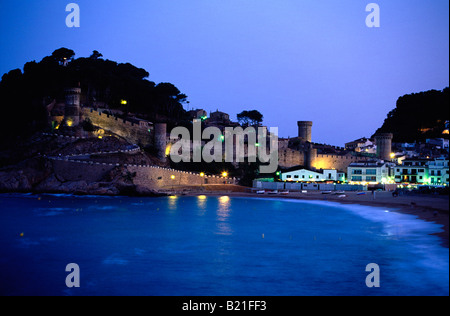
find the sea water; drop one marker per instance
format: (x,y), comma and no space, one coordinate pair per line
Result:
(214,246)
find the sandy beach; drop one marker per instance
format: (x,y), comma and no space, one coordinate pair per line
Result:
(433,208)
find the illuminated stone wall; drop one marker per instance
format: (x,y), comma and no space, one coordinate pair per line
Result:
(150,177)
(159,178)
(135,133)
(337,162)
(291,158)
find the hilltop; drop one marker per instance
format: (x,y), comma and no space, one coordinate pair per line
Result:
(105,83)
(419,116)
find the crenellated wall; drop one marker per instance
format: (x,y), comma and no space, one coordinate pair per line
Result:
(133,132)
(157,177)
(337,162)
(150,177)
(289,158)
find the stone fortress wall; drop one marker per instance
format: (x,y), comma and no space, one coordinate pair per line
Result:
(338,162)
(150,177)
(308,155)
(153,135)
(78,167)
(144,133)
(137,133)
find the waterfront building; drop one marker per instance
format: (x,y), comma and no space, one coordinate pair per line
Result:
(373,172)
(305,175)
(423,171)
(438,171)
(412,170)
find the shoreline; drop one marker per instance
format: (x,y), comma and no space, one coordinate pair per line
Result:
(433,209)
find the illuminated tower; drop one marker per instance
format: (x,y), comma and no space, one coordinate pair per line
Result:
(384,145)
(161,140)
(72,109)
(310,156)
(304,130)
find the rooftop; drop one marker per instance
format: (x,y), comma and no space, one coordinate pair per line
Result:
(371,164)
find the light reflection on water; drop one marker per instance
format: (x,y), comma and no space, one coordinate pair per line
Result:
(201,204)
(173,202)
(223,215)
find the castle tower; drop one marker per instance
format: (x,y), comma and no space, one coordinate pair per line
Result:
(161,140)
(310,156)
(72,109)
(304,130)
(384,145)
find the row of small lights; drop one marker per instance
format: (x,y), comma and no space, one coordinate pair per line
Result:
(202,174)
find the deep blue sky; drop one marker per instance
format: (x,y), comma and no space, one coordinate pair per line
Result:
(290,59)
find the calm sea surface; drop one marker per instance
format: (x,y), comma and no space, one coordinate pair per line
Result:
(213,246)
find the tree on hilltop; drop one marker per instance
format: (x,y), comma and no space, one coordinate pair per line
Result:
(253,118)
(418,116)
(62,55)
(24,94)
(96,55)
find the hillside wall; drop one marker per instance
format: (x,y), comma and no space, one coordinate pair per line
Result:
(150,177)
(138,134)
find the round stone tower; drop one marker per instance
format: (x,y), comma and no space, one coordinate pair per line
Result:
(310,156)
(304,130)
(72,109)
(384,145)
(161,140)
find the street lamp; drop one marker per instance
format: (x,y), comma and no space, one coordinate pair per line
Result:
(173,183)
(202,175)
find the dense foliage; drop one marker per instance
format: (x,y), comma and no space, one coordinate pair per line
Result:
(250,118)
(24,94)
(418,116)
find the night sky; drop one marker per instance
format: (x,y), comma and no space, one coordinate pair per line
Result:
(290,59)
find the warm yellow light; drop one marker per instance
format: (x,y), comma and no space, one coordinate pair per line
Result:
(168,148)
(124,102)
(69,123)
(172,177)
(202,174)
(100,137)
(392,155)
(224,199)
(224,174)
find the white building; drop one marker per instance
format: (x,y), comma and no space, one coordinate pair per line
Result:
(369,172)
(412,170)
(362,145)
(438,171)
(423,171)
(305,175)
